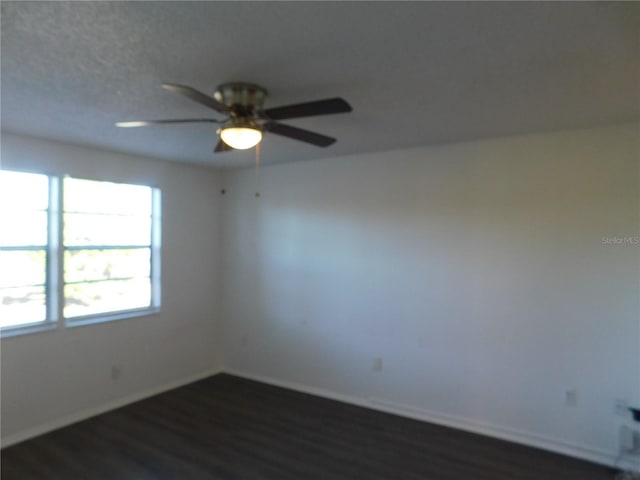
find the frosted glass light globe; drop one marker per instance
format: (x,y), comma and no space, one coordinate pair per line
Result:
(241,138)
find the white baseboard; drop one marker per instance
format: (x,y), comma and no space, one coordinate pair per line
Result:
(100,409)
(582,452)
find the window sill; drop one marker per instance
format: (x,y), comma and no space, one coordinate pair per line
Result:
(110,317)
(18,330)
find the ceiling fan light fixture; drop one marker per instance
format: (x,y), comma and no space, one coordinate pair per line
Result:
(241,134)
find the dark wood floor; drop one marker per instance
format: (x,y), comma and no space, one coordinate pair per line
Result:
(226,427)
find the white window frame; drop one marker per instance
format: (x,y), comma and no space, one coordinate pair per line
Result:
(54,280)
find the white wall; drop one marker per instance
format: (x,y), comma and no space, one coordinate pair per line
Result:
(477,271)
(54,377)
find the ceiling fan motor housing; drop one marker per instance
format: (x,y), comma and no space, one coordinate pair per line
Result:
(244,99)
(240,122)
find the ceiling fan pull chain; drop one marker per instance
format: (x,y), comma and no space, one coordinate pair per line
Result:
(257,170)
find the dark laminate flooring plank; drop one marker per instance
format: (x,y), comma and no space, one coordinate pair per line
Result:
(229,428)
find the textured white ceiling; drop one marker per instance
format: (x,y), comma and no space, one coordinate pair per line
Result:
(415,73)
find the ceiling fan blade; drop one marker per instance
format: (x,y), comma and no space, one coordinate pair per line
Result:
(196,96)
(145,123)
(299,134)
(309,109)
(222,147)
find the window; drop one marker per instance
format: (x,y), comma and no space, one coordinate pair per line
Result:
(107,247)
(100,241)
(24,207)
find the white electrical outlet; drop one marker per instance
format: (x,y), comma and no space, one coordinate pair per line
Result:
(377,364)
(116,372)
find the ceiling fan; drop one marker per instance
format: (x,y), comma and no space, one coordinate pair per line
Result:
(246,119)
